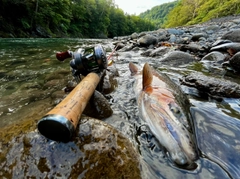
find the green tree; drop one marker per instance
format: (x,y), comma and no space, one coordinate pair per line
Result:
(158,14)
(189,12)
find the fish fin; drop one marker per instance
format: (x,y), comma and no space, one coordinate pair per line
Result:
(147,76)
(133,68)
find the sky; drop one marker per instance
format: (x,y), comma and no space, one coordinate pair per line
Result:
(137,6)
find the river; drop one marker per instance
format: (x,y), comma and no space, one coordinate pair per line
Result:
(30,75)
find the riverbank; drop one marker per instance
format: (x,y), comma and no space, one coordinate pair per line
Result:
(32,83)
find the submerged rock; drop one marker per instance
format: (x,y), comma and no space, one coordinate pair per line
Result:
(97,151)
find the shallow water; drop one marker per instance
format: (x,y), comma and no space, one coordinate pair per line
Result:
(30,75)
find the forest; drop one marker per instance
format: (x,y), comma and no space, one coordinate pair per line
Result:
(67,18)
(102,18)
(188,12)
(158,14)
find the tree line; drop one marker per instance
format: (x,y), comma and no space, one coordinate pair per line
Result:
(188,12)
(158,14)
(68,18)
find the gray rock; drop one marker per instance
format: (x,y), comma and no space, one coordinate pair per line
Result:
(233,35)
(175,31)
(172,38)
(197,36)
(212,86)
(210,29)
(220,42)
(147,40)
(146,53)
(192,47)
(119,45)
(142,34)
(98,106)
(134,36)
(235,62)
(214,57)
(233,47)
(177,58)
(97,151)
(161,51)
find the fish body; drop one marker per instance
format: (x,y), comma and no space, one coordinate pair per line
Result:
(159,108)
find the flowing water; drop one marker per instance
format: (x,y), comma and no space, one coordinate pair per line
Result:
(31,78)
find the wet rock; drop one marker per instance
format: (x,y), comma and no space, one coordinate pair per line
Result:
(233,35)
(134,35)
(146,53)
(147,40)
(208,85)
(110,82)
(216,57)
(235,62)
(234,47)
(172,38)
(177,58)
(220,42)
(192,47)
(142,34)
(162,35)
(136,49)
(212,62)
(98,106)
(126,48)
(212,28)
(161,51)
(197,36)
(97,151)
(119,46)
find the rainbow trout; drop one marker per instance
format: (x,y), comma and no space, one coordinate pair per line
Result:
(159,106)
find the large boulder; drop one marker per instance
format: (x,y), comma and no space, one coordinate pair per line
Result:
(147,40)
(97,151)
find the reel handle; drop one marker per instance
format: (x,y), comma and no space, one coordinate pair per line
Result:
(61,56)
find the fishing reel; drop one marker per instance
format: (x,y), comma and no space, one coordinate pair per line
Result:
(92,59)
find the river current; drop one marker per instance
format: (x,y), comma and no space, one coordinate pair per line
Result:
(27,66)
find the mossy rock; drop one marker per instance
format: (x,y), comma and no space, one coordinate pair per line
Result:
(97,151)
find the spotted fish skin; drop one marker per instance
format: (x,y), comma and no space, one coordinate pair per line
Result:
(159,108)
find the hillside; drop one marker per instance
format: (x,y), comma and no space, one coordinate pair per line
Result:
(158,14)
(188,12)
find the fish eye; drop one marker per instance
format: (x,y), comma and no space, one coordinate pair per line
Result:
(175,110)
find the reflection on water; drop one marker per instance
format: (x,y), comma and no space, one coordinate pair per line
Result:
(31,82)
(218,134)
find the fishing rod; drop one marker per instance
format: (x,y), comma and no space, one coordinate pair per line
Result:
(60,123)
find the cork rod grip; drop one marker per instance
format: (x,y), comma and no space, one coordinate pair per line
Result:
(73,105)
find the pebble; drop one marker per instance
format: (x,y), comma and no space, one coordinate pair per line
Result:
(215,44)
